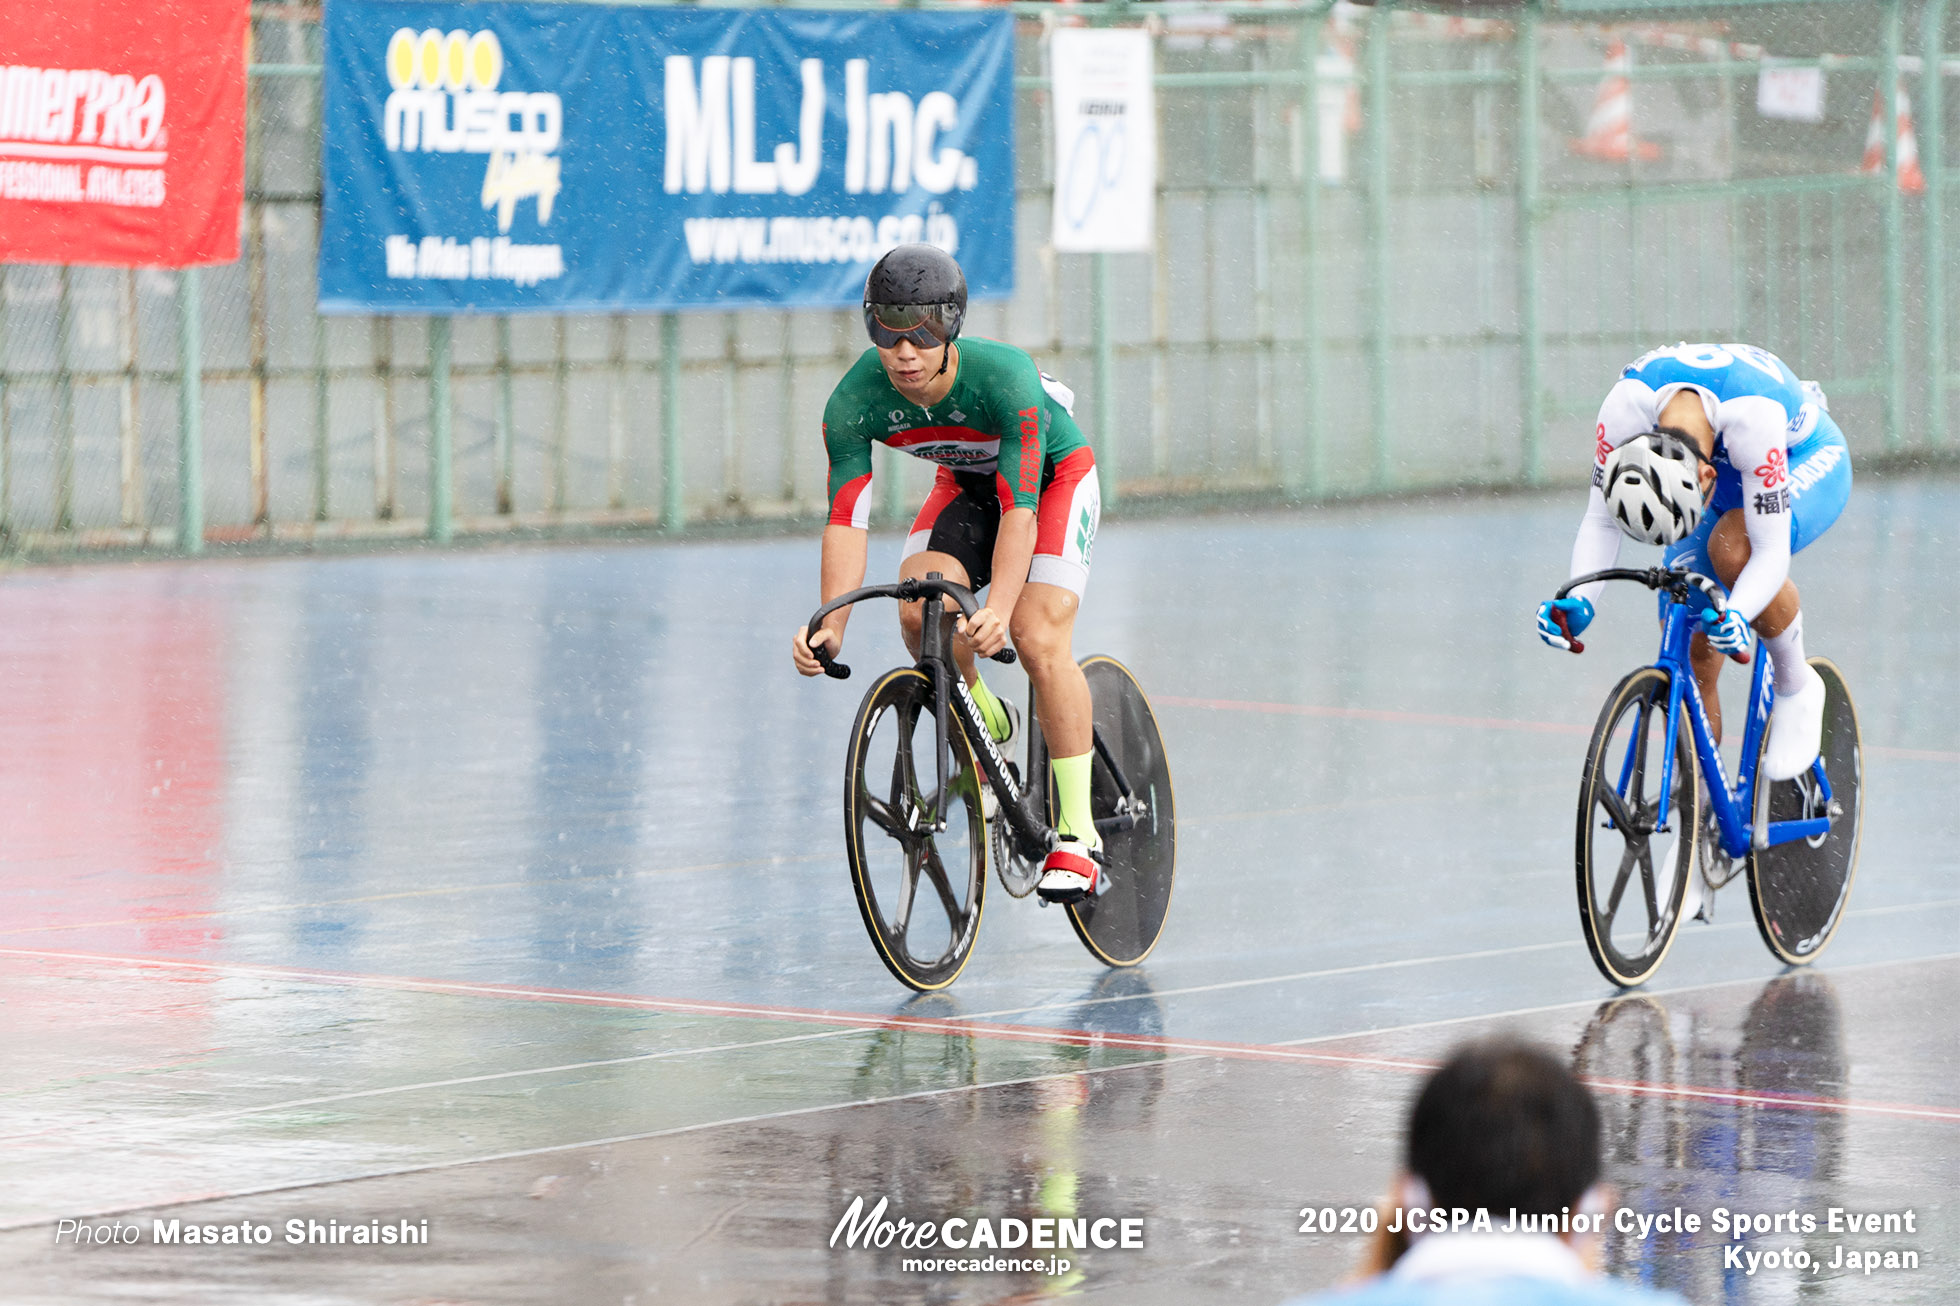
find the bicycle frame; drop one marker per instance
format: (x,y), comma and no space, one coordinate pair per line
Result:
(1032,837)
(1740,810)
(949,693)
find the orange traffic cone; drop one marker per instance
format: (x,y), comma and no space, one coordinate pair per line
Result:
(1911,179)
(1351,109)
(1339,102)
(1609,132)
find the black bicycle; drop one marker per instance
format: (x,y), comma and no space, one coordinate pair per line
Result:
(917,776)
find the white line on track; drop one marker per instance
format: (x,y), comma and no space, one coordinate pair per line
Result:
(1406,962)
(950,1026)
(1658,1090)
(1396,717)
(1630,996)
(149,1128)
(433,891)
(553,1148)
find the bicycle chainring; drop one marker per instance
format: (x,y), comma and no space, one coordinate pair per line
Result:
(1017,875)
(1717,867)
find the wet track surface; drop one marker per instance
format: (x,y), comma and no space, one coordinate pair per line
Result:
(505,890)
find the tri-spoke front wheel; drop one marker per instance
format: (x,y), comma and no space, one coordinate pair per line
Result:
(1636,845)
(919,886)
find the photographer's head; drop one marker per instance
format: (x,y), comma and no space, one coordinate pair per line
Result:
(1503,1126)
(1499,1201)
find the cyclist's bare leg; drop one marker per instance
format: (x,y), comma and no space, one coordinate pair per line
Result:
(1728,549)
(911,616)
(1043,628)
(1708,666)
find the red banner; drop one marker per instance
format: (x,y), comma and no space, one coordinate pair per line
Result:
(122,131)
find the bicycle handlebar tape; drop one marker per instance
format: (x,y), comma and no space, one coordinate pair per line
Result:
(1006,656)
(1565,629)
(831,666)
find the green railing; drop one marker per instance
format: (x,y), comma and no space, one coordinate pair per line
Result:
(1437,296)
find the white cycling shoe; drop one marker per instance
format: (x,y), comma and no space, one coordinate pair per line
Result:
(1796,729)
(1070,874)
(1696,900)
(1013,726)
(1697,903)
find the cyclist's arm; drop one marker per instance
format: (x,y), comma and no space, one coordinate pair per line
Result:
(845,535)
(1622,416)
(1597,546)
(1752,429)
(1013,555)
(845,549)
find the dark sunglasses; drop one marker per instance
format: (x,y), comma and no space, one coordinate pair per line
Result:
(928,326)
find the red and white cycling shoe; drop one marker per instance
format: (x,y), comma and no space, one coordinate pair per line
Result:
(1071,872)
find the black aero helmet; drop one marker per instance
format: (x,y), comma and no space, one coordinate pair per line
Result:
(916,293)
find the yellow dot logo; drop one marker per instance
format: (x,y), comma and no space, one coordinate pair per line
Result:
(428,59)
(401,59)
(453,61)
(486,61)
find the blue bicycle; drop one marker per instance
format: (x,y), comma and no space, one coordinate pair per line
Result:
(1641,823)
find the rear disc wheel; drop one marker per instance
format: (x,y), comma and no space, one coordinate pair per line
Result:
(1122,923)
(1798,890)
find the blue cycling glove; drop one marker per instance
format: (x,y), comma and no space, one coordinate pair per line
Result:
(1727,631)
(1578,615)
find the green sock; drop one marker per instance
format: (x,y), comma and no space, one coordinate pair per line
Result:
(992,712)
(1072,795)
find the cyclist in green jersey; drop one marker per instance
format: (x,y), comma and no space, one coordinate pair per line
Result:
(1015,504)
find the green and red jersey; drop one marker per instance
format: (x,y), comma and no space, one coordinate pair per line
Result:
(1002,418)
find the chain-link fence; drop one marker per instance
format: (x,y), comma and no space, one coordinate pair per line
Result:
(1395,250)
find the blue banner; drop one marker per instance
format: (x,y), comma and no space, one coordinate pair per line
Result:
(502,158)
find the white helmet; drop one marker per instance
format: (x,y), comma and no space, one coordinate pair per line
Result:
(1653,487)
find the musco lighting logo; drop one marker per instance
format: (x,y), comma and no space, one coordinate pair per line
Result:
(446,101)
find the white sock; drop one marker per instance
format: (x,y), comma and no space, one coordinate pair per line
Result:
(1786,651)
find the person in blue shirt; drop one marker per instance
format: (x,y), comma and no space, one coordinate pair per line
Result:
(1503,1129)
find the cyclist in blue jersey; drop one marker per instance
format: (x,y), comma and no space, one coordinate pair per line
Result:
(1719,452)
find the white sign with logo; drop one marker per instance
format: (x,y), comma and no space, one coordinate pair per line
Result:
(1105,139)
(1794,92)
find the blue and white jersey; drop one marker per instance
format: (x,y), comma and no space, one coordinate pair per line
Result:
(1765,421)
(1725,371)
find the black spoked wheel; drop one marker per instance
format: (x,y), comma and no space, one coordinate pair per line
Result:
(1636,844)
(1122,923)
(920,891)
(1798,889)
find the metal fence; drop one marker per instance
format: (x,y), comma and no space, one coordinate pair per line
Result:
(1395,251)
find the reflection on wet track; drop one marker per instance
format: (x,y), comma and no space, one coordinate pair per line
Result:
(505,889)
